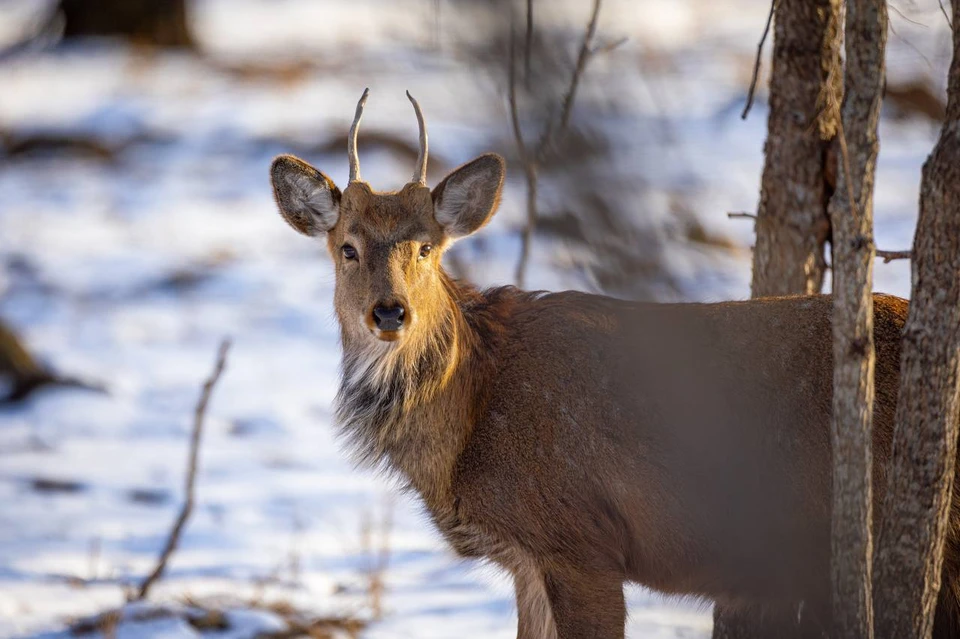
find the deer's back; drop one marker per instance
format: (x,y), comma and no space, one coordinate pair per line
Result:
(686,445)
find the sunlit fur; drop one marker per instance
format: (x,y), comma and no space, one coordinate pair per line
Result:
(382,381)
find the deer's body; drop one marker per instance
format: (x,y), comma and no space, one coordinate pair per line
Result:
(684,447)
(580,441)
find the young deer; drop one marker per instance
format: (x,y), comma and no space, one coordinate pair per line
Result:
(580,441)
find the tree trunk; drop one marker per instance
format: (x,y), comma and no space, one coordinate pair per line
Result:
(161,23)
(792,222)
(851,214)
(910,549)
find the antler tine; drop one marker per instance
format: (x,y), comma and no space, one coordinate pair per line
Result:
(420,175)
(352,154)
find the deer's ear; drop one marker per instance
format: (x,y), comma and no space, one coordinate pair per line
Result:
(467,198)
(308,200)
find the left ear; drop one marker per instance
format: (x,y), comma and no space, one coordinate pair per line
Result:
(308,200)
(467,198)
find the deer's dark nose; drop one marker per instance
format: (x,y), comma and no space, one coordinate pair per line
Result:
(388,318)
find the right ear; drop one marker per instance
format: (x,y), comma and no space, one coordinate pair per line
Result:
(467,198)
(308,200)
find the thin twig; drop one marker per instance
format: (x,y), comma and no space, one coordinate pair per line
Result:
(610,46)
(912,46)
(512,99)
(548,135)
(889,256)
(198,416)
(904,16)
(943,9)
(528,161)
(554,128)
(741,214)
(528,45)
(377,558)
(756,63)
(526,240)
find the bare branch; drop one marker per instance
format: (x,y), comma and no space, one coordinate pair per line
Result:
(379,557)
(546,139)
(530,169)
(756,63)
(889,256)
(528,45)
(529,162)
(610,46)
(512,99)
(173,539)
(946,15)
(531,157)
(920,54)
(741,215)
(904,16)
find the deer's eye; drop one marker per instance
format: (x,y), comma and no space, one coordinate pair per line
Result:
(349,252)
(425,250)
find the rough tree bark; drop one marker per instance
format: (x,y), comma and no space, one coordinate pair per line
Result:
(910,546)
(851,215)
(161,23)
(792,222)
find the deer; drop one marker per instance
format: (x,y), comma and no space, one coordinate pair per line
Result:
(580,442)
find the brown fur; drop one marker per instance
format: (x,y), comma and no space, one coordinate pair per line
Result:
(580,441)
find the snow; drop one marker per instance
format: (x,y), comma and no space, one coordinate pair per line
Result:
(132,270)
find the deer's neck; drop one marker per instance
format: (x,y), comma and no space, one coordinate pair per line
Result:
(411,408)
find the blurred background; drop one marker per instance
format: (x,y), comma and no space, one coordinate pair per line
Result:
(137,228)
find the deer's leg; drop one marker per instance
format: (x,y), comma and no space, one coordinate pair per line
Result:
(586,605)
(535,618)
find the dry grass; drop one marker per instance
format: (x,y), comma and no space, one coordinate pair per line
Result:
(210,615)
(375,546)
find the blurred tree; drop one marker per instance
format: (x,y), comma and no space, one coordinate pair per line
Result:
(910,544)
(851,215)
(792,224)
(532,155)
(160,23)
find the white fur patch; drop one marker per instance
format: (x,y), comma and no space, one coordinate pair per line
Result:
(313,197)
(369,399)
(372,363)
(458,203)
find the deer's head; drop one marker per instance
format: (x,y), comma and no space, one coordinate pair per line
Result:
(387,246)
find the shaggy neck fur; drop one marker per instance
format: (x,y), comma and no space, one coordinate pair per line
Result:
(410,407)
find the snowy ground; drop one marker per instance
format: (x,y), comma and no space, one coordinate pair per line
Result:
(129,271)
